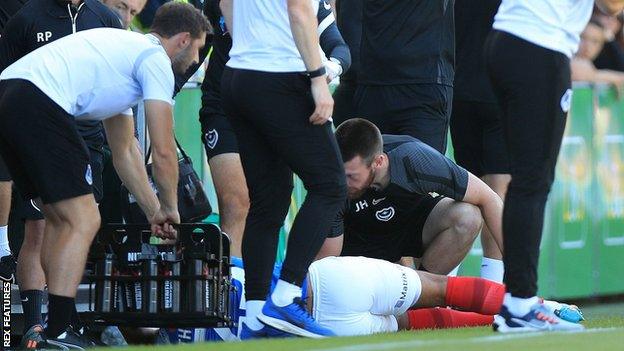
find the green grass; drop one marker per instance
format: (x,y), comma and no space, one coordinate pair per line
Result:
(605,325)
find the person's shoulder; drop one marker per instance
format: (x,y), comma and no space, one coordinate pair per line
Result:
(392,142)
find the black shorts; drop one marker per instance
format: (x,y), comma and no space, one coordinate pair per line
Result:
(419,110)
(344,104)
(5,176)
(217,135)
(41,145)
(478,139)
(391,246)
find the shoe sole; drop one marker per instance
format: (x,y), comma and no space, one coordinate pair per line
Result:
(500,326)
(288,327)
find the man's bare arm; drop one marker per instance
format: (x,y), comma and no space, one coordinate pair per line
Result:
(491,205)
(226,11)
(159,117)
(129,163)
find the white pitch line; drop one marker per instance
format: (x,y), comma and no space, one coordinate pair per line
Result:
(475,340)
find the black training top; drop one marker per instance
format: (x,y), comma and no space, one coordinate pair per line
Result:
(43,21)
(330,40)
(349,20)
(7,9)
(416,171)
(473,23)
(407,42)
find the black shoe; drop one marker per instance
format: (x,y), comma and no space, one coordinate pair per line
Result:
(71,340)
(7,268)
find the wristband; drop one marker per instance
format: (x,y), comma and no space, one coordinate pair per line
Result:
(317,73)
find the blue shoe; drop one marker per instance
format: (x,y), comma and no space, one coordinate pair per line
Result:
(570,313)
(292,319)
(266,332)
(539,318)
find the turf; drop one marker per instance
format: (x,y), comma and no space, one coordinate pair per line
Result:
(605,331)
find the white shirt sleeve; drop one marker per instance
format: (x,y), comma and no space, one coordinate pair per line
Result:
(156,78)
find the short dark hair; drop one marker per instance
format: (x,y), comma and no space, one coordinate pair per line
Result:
(359,137)
(178,17)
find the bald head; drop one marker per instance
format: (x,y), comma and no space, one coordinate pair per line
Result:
(126,9)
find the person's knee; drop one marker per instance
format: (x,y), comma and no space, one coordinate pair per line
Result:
(234,204)
(271,204)
(334,191)
(467,222)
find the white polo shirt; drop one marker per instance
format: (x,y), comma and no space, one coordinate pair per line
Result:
(552,24)
(262,39)
(98,73)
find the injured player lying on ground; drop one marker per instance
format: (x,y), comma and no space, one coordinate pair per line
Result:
(361,296)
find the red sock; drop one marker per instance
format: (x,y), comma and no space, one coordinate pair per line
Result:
(439,318)
(474,294)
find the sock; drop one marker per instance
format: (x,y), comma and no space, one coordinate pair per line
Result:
(74,320)
(492,269)
(474,295)
(284,293)
(58,318)
(252,310)
(519,306)
(440,318)
(31,304)
(5,250)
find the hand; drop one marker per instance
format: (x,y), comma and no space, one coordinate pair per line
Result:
(162,223)
(323,101)
(333,68)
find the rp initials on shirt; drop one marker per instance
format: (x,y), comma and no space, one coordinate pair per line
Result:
(43,36)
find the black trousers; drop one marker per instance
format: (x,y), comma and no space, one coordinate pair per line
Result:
(533,87)
(419,110)
(270,115)
(344,104)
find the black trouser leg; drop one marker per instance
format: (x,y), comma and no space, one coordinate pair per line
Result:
(532,85)
(270,112)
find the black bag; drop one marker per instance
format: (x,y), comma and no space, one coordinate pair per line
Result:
(193,204)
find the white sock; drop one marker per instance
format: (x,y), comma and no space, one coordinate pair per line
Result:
(492,269)
(252,310)
(519,306)
(5,250)
(284,293)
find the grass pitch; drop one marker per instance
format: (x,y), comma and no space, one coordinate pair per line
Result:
(605,331)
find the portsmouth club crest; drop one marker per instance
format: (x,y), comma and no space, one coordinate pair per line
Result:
(211,138)
(385,214)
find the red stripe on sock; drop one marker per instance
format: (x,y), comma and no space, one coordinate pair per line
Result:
(440,318)
(474,294)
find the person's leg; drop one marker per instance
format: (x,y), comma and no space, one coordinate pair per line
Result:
(535,97)
(226,170)
(278,110)
(71,225)
(492,262)
(448,235)
(229,182)
(30,272)
(5,207)
(422,111)
(533,120)
(7,261)
(495,160)
(270,183)
(344,104)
